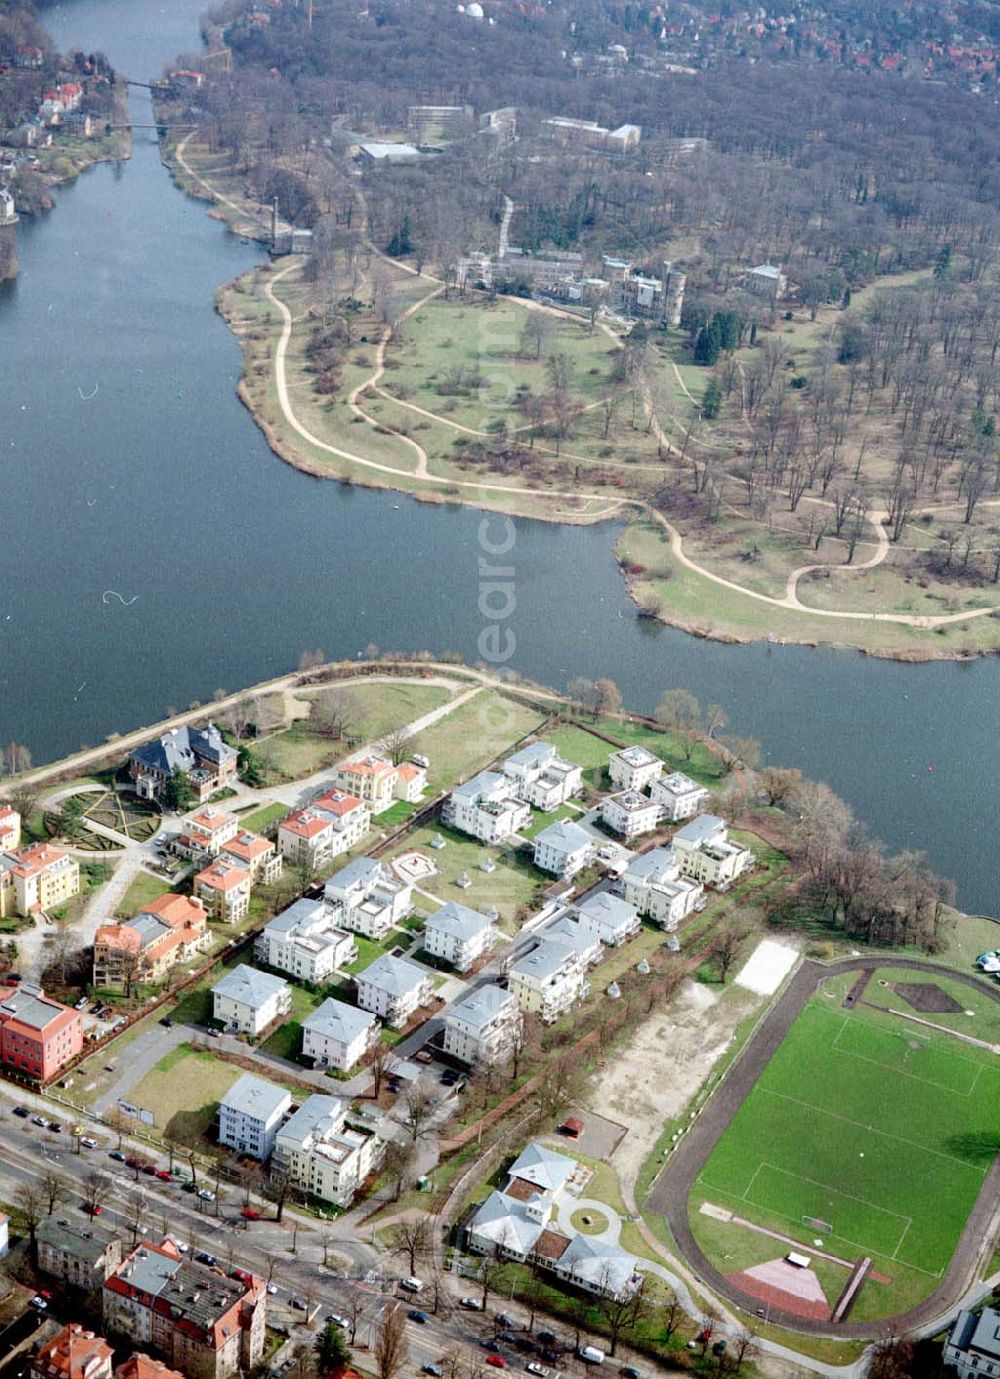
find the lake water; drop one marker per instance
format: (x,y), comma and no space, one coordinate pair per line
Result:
(154,549)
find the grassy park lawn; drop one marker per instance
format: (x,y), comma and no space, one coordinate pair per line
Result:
(286,1041)
(894,1177)
(369,949)
(541,821)
(184,1090)
(509,887)
(258,819)
(142,891)
(467,740)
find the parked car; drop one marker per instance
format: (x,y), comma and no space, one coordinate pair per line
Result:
(87,1143)
(548,1338)
(629,1372)
(203,1257)
(450,1076)
(250,1214)
(21,1111)
(12,979)
(81,1004)
(189,1186)
(343,1322)
(118,1156)
(95,1210)
(166,1022)
(132,1162)
(56,1127)
(411,1285)
(533,1367)
(297,1303)
(551,1356)
(471,1304)
(591,1355)
(497,1361)
(434,1370)
(39,1120)
(162,1174)
(415,1315)
(419,759)
(148,1168)
(505,1319)
(206,1195)
(39,1303)
(242,1276)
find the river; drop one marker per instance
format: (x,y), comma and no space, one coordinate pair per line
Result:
(154,549)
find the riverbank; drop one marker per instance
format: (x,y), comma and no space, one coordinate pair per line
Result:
(367,434)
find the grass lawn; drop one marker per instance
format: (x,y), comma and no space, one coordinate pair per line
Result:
(184,1090)
(541,821)
(509,886)
(259,819)
(467,740)
(143,891)
(286,1041)
(370,949)
(818,1140)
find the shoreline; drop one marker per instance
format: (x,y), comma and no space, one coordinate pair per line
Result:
(629,509)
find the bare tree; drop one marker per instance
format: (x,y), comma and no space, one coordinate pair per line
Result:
(391,1349)
(419,1107)
(55,1189)
(30,1199)
(397,1166)
(622,1311)
(380,1064)
(336,713)
(95,1191)
(727,946)
(136,1211)
(413,1239)
(744,1347)
(397,745)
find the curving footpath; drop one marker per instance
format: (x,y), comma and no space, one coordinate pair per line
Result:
(672,1190)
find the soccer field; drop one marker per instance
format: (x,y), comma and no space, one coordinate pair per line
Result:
(867,1132)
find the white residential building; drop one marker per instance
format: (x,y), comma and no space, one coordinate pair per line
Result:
(704,853)
(633,768)
(321,1155)
(678,796)
(523,1222)
(249,1116)
(973,1344)
(652,882)
(630,813)
(541,777)
(10,828)
(305,942)
(482,1027)
(486,808)
(370,898)
(393,989)
(247,1001)
(205,832)
(371,778)
(549,978)
(612,919)
(337,1035)
(459,935)
(586,942)
(564,848)
(334,823)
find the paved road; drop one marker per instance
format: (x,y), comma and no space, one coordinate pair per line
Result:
(672,1190)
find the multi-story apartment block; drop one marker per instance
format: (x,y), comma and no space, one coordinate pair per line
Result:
(205,833)
(541,777)
(224,888)
(393,989)
(336,1035)
(203,1323)
(247,1001)
(199,754)
(371,778)
(38,877)
(370,898)
(629,813)
(549,979)
(73,1353)
(564,848)
(170,930)
(459,935)
(38,1036)
(704,852)
(612,919)
(482,1028)
(304,941)
(145,1367)
(10,828)
(973,1344)
(633,768)
(321,1155)
(257,855)
(653,883)
(250,1114)
(486,807)
(80,1253)
(678,796)
(332,824)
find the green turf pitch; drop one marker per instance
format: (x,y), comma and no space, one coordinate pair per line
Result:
(867,1123)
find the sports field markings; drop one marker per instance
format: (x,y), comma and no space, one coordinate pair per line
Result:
(901,1071)
(872,1130)
(850,1197)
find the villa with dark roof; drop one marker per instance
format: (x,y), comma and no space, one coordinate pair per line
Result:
(200,754)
